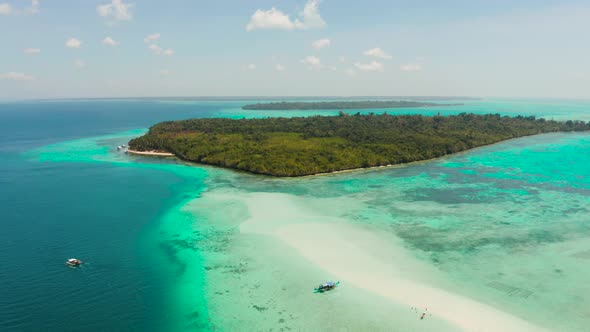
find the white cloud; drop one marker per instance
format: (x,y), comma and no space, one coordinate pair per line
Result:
(155,48)
(79,64)
(270,19)
(110,41)
(373,66)
(32,50)
(343,59)
(151,38)
(73,43)
(164,72)
(311,17)
(117,9)
(312,61)
(411,67)
(13,76)
(280,67)
(321,43)
(250,66)
(5,9)
(378,53)
(276,19)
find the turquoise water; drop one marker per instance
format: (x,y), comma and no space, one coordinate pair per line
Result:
(505,225)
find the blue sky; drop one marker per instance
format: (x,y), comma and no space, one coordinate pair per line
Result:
(100,48)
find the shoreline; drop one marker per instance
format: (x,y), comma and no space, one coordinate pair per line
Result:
(351,170)
(411,163)
(151,153)
(417,162)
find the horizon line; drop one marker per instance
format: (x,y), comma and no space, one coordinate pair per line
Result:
(277,97)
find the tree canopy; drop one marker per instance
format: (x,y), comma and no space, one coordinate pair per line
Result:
(319,144)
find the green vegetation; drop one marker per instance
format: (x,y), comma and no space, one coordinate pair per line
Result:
(318,144)
(340,105)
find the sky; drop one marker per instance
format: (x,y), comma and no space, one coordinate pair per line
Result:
(151,48)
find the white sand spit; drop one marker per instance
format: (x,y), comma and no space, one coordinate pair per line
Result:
(334,248)
(365,259)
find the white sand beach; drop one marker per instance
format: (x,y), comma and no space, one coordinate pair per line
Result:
(151,153)
(340,250)
(362,258)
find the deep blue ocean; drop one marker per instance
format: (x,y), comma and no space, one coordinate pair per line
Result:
(53,211)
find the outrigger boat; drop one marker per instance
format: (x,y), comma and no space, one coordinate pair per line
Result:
(74,262)
(330,285)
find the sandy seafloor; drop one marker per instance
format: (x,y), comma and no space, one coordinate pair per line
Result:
(495,239)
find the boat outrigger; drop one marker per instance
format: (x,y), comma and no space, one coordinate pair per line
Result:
(330,285)
(74,262)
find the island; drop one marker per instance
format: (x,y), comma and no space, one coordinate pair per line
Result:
(300,146)
(340,105)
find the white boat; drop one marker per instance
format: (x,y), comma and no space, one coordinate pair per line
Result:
(74,262)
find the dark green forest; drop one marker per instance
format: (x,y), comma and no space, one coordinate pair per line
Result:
(340,105)
(319,144)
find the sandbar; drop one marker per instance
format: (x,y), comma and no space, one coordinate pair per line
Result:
(359,257)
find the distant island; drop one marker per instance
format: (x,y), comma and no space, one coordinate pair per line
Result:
(340,105)
(289,147)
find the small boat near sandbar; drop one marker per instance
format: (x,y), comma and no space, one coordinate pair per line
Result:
(327,286)
(74,262)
